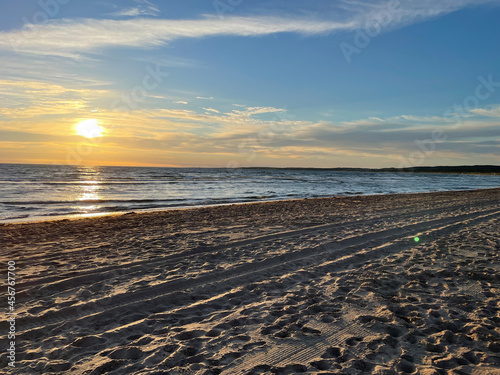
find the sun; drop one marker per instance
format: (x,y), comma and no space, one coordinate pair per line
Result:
(89,128)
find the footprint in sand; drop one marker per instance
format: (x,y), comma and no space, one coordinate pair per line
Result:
(240,338)
(189,335)
(395,331)
(333,352)
(310,331)
(54,366)
(321,365)
(107,367)
(87,341)
(252,345)
(268,330)
(290,369)
(133,353)
(360,366)
(260,369)
(189,351)
(213,333)
(406,366)
(228,358)
(352,341)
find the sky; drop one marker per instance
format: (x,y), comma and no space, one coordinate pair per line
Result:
(240,83)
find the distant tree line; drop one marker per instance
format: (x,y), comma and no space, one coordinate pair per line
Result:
(466,169)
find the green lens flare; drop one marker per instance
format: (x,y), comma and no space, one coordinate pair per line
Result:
(416,239)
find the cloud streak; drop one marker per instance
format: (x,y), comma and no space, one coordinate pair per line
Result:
(144,8)
(72,38)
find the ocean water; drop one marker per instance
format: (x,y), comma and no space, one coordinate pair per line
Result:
(38,192)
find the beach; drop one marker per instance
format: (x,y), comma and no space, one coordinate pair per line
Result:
(381,284)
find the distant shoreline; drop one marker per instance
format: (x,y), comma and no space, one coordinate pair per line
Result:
(459,169)
(462,169)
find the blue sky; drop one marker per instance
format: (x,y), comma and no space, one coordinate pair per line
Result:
(252,83)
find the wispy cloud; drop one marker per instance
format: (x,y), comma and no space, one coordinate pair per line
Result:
(74,37)
(133,12)
(71,38)
(493,111)
(407,11)
(211,110)
(144,8)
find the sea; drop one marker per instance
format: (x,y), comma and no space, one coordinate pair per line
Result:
(44,192)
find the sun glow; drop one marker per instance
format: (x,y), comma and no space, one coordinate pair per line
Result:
(89,128)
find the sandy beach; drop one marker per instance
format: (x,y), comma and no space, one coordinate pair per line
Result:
(316,286)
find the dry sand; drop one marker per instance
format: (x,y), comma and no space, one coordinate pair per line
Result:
(319,286)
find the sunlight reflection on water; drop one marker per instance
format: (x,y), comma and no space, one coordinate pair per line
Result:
(89,189)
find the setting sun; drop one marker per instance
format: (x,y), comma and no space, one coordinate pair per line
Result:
(89,128)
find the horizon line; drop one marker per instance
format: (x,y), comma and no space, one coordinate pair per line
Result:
(267,167)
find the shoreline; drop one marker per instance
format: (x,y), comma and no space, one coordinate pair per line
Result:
(160,210)
(281,287)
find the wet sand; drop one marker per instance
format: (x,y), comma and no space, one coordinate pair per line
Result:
(317,286)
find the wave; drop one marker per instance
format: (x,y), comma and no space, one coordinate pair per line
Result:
(70,183)
(93,201)
(261,196)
